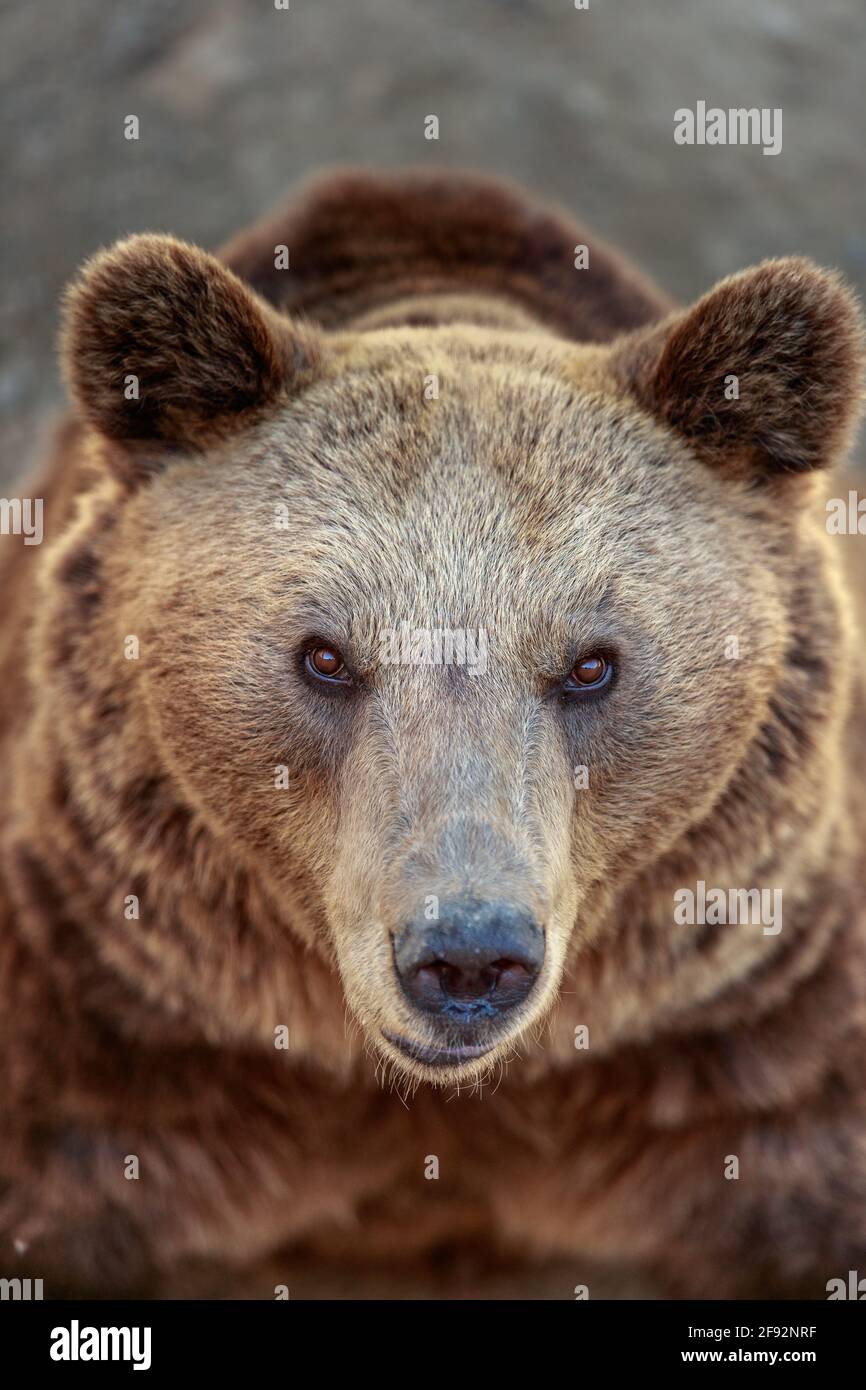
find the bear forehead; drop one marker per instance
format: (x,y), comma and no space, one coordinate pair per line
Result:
(418,434)
(516,478)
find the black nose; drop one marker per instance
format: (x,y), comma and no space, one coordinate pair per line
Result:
(477,961)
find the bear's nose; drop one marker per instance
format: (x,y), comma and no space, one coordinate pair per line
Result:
(476,961)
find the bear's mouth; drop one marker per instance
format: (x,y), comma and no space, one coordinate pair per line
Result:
(438,1056)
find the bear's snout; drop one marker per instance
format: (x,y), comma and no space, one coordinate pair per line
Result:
(476,962)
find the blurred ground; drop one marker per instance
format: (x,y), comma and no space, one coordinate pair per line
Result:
(237,99)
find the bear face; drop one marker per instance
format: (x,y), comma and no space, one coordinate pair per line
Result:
(450,675)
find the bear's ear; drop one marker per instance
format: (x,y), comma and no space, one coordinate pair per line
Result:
(761,376)
(162,345)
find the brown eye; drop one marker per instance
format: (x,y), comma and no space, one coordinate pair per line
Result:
(590,673)
(327,664)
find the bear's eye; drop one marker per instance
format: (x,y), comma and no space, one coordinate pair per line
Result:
(589,674)
(326,664)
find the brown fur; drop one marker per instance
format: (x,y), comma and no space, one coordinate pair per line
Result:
(580,480)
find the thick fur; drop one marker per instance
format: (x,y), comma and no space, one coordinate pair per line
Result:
(131,316)
(580,479)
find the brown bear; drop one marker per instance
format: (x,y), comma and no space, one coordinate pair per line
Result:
(433,762)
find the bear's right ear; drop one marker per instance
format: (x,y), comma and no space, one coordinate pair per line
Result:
(162,345)
(761,377)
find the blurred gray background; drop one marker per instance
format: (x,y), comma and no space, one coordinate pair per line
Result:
(237,99)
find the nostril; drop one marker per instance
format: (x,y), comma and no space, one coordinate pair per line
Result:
(503,983)
(465,982)
(514,980)
(443,978)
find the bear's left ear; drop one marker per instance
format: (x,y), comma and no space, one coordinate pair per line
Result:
(761,376)
(162,345)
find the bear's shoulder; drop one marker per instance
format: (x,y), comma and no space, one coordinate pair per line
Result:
(356,240)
